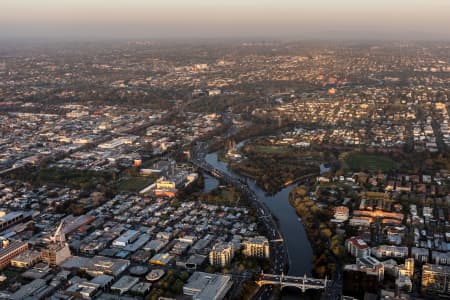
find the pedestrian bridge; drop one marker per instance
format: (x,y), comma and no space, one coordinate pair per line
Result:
(303,283)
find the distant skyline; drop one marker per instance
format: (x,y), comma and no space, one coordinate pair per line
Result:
(293,19)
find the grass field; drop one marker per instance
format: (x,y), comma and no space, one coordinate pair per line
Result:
(271,149)
(361,161)
(135,184)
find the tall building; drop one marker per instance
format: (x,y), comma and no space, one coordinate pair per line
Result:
(221,254)
(58,249)
(257,247)
(435,279)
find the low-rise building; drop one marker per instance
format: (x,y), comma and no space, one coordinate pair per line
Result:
(128,237)
(124,284)
(11,250)
(97,265)
(202,286)
(26,259)
(161,259)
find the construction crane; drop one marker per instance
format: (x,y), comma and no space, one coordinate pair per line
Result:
(59,237)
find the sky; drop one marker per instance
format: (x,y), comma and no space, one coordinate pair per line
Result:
(294,19)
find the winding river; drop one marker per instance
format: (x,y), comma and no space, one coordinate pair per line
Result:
(298,246)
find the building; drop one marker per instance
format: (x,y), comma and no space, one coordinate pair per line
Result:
(420,254)
(341,213)
(72,223)
(156,245)
(161,259)
(55,254)
(257,247)
(29,290)
(404,283)
(165,187)
(97,265)
(390,267)
(372,266)
(407,269)
(10,250)
(9,219)
(363,277)
(390,251)
(435,279)
(357,247)
(221,254)
(57,250)
(440,258)
(206,286)
(124,284)
(128,237)
(83,289)
(26,259)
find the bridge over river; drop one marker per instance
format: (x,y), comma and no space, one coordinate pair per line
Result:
(303,283)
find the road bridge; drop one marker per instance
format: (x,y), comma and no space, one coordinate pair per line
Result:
(303,283)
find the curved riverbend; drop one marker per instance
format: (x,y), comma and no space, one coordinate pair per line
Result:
(297,243)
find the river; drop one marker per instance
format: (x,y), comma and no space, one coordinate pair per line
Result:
(210,183)
(298,246)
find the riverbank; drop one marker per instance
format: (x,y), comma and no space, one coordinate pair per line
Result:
(327,247)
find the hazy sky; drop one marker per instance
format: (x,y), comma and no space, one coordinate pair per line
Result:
(307,19)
